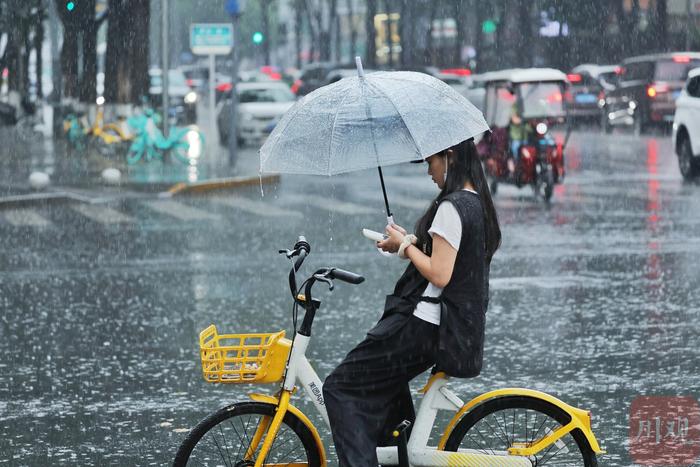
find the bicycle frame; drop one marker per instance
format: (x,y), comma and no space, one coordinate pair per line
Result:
(437,397)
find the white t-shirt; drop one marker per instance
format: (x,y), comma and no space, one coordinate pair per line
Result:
(448,225)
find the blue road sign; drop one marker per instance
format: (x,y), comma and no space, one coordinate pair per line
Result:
(211,38)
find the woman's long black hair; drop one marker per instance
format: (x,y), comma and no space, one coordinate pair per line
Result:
(464,167)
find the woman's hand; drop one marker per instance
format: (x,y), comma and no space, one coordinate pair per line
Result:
(395,233)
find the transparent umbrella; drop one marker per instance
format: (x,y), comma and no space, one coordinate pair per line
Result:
(370,121)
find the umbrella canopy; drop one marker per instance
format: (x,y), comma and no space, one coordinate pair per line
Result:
(369,121)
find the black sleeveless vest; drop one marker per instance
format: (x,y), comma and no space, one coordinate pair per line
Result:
(464,299)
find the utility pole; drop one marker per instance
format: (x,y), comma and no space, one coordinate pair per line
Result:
(165,65)
(234,8)
(689,25)
(55,68)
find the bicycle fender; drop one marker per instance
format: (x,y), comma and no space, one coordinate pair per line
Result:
(300,415)
(580,418)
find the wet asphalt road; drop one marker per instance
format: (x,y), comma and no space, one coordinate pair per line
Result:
(595,298)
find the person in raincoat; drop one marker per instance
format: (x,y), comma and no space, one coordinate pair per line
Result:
(434,318)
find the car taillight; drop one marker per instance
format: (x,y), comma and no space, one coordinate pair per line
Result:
(681,59)
(296,85)
(568,97)
(654,89)
(190,82)
(457,71)
(224,87)
(574,78)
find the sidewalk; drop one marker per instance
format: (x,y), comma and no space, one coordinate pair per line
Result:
(82,174)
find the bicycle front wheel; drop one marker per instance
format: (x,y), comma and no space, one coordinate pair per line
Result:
(224,437)
(498,424)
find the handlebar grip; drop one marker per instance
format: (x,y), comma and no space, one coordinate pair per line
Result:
(304,248)
(346,276)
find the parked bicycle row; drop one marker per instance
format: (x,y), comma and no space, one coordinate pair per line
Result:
(135,139)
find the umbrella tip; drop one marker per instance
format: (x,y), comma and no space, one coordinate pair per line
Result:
(358,64)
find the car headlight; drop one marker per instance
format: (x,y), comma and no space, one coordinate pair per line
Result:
(541,128)
(190,97)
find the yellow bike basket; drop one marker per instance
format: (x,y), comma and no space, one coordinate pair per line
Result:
(243,358)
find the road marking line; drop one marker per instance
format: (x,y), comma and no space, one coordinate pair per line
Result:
(259,208)
(328,204)
(26,218)
(181,211)
(102,214)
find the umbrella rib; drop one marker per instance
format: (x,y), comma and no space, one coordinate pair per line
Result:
(297,108)
(330,140)
(436,88)
(415,143)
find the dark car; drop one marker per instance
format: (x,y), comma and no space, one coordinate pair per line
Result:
(647,91)
(314,75)
(588,86)
(183,100)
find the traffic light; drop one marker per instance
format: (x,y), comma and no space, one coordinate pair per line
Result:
(69,5)
(258,37)
(488,26)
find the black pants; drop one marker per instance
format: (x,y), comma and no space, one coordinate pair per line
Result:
(367,395)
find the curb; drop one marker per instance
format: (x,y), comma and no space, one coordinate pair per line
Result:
(217,184)
(33,198)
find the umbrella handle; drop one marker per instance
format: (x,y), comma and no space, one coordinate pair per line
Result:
(386,253)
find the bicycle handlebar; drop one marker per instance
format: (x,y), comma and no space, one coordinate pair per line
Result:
(345,276)
(301,249)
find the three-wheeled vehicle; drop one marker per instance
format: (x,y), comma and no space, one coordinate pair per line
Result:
(521,106)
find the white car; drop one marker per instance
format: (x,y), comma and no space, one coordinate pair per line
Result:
(260,104)
(686,126)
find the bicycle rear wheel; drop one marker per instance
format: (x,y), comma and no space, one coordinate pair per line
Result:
(224,437)
(497,424)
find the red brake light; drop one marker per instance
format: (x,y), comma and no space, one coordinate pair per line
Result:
(681,59)
(574,78)
(296,85)
(457,71)
(224,87)
(276,76)
(190,82)
(619,70)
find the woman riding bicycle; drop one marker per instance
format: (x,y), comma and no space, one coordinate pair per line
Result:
(435,317)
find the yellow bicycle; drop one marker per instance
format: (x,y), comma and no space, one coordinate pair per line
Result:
(108,139)
(501,428)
